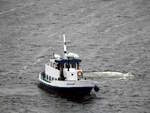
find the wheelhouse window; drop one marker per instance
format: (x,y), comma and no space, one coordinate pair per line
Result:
(67,66)
(73,65)
(78,66)
(58,66)
(49,77)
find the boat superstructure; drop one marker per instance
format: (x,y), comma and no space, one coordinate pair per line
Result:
(64,75)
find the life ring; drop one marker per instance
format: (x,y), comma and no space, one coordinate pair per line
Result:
(80,73)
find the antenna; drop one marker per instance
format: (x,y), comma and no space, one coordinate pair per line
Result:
(65,47)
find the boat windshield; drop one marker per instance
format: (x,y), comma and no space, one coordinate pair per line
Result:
(72,65)
(68,63)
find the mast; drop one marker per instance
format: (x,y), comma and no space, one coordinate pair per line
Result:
(65,50)
(65,47)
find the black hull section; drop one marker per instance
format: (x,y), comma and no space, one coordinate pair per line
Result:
(76,91)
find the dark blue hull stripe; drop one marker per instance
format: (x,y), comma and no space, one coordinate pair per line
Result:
(64,90)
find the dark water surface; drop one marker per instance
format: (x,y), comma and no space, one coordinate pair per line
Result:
(109,35)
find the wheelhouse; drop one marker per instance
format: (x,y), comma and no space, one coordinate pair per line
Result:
(68,63)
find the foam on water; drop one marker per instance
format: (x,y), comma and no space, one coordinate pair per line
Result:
(110,74)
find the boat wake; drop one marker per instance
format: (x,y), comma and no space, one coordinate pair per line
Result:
(110,74)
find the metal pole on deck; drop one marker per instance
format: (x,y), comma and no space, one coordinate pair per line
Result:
(65,47)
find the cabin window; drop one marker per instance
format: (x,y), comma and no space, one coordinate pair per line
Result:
(67,66)
(61,66)
(52,78)
(74,65)
(49,77)
(53,65)
(55,78)
(58,66)
(78,65)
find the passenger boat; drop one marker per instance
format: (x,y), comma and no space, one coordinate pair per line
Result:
(63,75)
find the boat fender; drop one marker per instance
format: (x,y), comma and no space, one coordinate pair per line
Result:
(96,88)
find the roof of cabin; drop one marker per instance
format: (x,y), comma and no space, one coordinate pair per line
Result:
(62,61)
